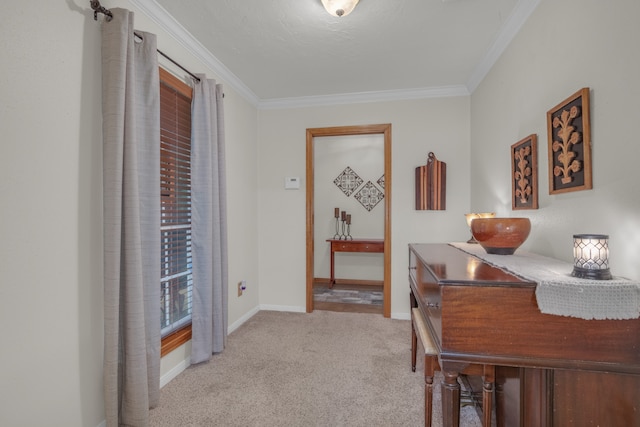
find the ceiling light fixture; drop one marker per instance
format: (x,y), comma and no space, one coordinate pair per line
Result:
(339,8)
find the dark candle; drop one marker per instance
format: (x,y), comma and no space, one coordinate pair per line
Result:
(349,219)
(336,212)
(344,215)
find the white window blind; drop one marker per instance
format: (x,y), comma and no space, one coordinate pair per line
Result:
(175,195)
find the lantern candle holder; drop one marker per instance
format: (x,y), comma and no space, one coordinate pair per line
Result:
(591,256)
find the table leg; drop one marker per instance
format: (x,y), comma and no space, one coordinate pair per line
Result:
(500,401)
(332,281)
(488,381)
(450,399)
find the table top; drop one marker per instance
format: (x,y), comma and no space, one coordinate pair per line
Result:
(448,264)
(357,240)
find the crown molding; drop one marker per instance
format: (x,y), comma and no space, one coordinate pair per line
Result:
(512,26)
(168,23)
(363,97)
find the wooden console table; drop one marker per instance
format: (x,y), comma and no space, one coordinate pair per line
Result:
(355,245)
(549,370)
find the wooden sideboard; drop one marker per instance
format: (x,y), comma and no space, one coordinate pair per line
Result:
(549,370)
(353,245)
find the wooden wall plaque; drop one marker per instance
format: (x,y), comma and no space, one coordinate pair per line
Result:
(569,130)
(524,173)
(431,185)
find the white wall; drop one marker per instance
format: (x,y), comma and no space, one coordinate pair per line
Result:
(564,46)
(418,126)
(51,210)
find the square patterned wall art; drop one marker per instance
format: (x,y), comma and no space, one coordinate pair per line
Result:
(369,196)
(348,181)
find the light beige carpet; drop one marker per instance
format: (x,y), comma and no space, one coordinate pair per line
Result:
(294,369)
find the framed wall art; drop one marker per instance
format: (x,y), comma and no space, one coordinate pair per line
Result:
(524,173)
(569,131)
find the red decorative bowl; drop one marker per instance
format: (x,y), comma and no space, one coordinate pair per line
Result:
(500,236)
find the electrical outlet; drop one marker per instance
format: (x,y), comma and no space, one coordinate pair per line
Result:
(242,285)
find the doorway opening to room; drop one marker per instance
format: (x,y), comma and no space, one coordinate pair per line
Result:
(343,240)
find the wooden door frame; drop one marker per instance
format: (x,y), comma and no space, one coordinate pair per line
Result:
(385,130)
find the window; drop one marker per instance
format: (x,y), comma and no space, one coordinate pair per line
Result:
(175,209)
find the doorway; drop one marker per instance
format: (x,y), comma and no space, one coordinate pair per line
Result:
(312,134)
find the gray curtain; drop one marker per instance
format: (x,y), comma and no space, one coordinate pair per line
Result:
(209,222)
(131,180)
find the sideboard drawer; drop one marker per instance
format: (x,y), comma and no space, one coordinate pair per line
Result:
(359,247)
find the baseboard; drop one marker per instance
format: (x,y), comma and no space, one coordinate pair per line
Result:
(297,309)
(291,308)
(174,372)
(359,283)
(401,316)
(235,325)
(184,364)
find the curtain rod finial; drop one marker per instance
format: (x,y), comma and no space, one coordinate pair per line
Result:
(97,8)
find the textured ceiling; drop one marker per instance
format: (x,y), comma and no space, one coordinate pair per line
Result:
(293,48)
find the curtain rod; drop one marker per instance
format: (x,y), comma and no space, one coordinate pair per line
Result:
(178,65)
(97,8)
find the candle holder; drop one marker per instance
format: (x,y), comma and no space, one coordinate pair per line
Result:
(343,234)
(343,225)
(336,214)
(591,256)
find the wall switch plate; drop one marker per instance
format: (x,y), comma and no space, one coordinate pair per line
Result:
(291,183)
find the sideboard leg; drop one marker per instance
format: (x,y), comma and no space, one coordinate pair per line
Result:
(488,381)
(450,399)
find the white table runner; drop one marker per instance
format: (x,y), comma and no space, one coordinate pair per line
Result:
(561,294)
